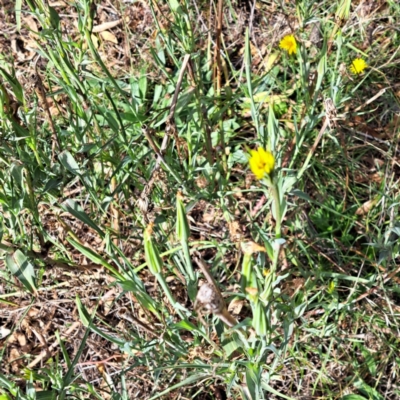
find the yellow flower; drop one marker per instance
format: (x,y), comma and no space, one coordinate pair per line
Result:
(289,44)
(357,66)
(261,162)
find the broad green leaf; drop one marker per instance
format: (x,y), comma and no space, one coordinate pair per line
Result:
(275,392)
(264,97)
(54,18)
(46,395)
(144,299)
(152,255)
(301,194)
(16,86)
(182,225)
(343,9)
(369,360)
(175,6)
(186,325)
(232,344)
(322,67)
(131,117)
(23,270)
(260,319)
(273,129)
(7,384)
(16,171)
(183,233)
(69,162)
(247,58)
(253,381)
(143,85)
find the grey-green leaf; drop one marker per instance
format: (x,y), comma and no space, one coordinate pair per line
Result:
(69,162)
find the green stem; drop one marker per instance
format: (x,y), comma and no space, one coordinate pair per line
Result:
(277,205)
(188,261)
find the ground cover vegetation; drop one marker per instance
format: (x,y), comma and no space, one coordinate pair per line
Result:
(199,200)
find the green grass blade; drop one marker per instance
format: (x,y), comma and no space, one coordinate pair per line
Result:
(21,268)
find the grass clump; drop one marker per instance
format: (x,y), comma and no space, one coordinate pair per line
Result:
(199,201)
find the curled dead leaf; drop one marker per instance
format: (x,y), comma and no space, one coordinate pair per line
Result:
(31,23)
(109,37)
(235,306)
(4,332)
(252,291)
(106,25)
(95,41)
(366,207)
(251,247)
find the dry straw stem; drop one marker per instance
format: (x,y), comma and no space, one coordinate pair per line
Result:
(217,54)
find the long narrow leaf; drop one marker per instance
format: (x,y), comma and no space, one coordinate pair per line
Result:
(23,270)
(95,258)
(77,211)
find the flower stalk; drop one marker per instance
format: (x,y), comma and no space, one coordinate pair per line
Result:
(262,164)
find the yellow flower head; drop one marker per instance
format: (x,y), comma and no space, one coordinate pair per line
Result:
(289,44)
(357,66)
(261,162)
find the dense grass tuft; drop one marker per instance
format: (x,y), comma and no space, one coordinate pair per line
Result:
(140,255)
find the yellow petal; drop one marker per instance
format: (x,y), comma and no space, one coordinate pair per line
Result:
(262,153)
(267,159)
(261,162)
(255,168)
